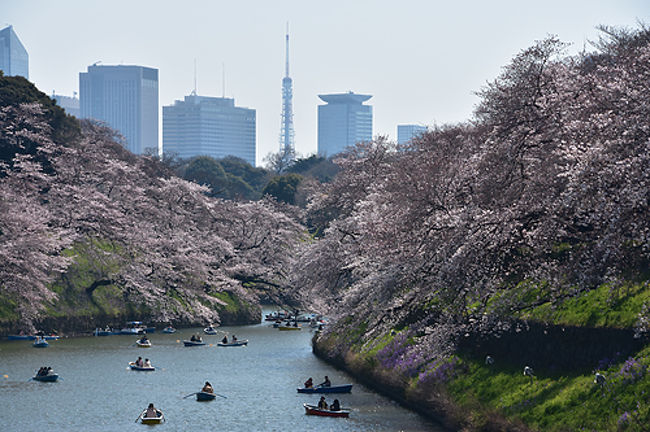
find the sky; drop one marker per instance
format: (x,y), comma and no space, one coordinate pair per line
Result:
(422,61)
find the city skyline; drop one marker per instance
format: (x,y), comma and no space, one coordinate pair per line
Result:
(421,61)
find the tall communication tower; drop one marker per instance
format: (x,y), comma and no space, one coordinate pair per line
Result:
(286,129)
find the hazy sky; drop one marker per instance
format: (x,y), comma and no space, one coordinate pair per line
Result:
(421,60)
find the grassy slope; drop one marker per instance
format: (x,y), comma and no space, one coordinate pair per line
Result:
(570,401)
(564,401)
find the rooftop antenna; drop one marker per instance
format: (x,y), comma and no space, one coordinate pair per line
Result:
(287,51)
(194,91)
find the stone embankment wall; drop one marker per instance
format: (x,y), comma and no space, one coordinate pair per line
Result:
(554,348)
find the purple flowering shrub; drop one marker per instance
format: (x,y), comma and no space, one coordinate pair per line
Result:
(404,355)
(632,371)
(623,420)
(401,355)
(440,371)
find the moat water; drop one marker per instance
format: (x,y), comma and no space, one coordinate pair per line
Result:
(98,392)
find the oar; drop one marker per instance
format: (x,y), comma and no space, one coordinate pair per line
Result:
(191,394)
(225,397)
(139,415)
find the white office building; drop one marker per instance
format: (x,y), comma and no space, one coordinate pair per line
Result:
(209,126)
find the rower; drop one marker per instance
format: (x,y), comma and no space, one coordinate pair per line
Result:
(326,383)
(207,388)
(151,411)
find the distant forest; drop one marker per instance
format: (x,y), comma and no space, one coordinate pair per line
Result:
(235,179)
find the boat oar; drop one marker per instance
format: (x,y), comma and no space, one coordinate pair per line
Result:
(220,395)
(139,415)
(191,394)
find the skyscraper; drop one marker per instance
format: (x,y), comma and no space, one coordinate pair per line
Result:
(407,132)
(287,144)
(209,126)
(343,122)
(14,59)
(126,98)
(69,104)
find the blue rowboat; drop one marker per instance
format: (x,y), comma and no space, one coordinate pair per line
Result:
(344,388)
(238,343)
(21,337)
(46,378)
(40,343)
(188,343)
(204,396)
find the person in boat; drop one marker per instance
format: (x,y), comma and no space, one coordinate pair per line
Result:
(336,405)
(326,383)
(234,338)
(151,411)
(138,362)
(322,404)
(207,388)
(225,339)
(309,383)
(49,371)
(42,371)
(144,339)
(295,323)
(147,363)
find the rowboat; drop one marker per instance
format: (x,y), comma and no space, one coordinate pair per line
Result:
(193,343)
(289,328)
(133,328)
(51,337)
(143,344)
(314,410)
(343,388)
(135,367)
(169,330)
(21,337)
(105,332)
(238,343)
(152,420)
(46,378)
(205,396)
(277,315)
(40,343)
(210,330)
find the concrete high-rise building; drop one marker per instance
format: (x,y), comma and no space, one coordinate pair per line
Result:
(126,98)
(14,59)
(69,104)
(209,126)
(407,132)
(343,122)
